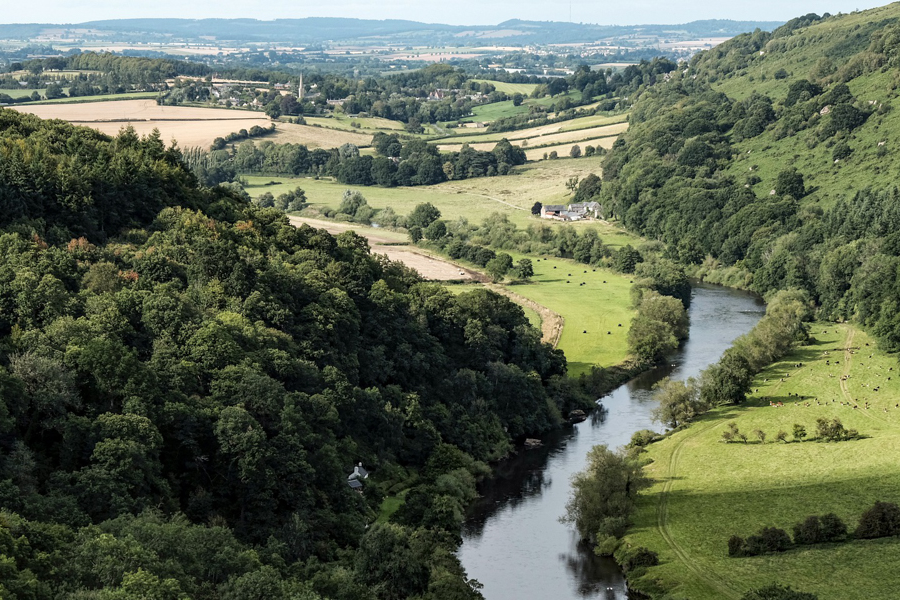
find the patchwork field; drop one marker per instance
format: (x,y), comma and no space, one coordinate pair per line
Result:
(511,88)
(565,149)
(603,136)
(190,126)
(708,490)
(581,123)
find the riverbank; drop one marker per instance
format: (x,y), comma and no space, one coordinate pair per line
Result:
(707,490)
(512,541)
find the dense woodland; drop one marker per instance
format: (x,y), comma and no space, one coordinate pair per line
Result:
(671,177)
(186,382)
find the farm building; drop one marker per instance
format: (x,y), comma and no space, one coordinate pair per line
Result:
(572,212)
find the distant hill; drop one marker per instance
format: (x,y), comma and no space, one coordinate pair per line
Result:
(316,29)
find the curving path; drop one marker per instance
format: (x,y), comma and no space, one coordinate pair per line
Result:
(662,520)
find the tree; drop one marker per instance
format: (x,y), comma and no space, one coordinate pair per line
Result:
(727,381)
(575,152)
(799,432)
(679,402)
(524,269)
(391,559)
(423,215)
(649,340)
(604,493)
(436,231)
(351,202)
(536,208)
(790,183)
(498,266)
(667,310)
(881,520)
(517,99)
(415,234)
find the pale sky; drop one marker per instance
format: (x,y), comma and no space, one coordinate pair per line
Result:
(457,12)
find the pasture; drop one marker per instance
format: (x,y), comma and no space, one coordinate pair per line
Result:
(510,88)
(189,126)
(707,490)
(592,312)
(473,199)
(99,98)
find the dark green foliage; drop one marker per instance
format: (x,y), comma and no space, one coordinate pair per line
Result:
(727,381)
(638,557)
(423,215)
(818,530)
(536,208)
(833,430)
(881,520)
(768,540)
(185,389)
(777,592)
(790,183)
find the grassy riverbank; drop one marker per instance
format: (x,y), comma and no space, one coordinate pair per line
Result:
(707,490)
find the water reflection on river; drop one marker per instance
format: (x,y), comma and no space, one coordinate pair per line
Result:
(512,541)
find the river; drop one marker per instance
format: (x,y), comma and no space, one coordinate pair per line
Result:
(513,542)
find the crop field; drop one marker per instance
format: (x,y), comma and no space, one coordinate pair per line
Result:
(593,312)
(707,490)
(188,125)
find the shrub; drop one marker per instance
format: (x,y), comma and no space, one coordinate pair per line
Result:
(639,557)
(808,531)
(769,539)
(737,546)
(833,430)
(799,432)
(882,520)
(833,528)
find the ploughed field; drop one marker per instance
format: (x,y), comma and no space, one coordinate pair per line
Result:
(707,490)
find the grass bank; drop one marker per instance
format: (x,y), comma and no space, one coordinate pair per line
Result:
(706,490)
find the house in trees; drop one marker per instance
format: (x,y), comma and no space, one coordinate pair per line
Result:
(354,480)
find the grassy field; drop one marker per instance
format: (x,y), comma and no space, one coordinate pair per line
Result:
(499,110)
(24,92)
(100,98)
(598,307)
(565,149)
(707,490)
(473,199)
(345,122)
(511,88)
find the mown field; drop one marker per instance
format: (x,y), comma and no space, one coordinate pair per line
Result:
(707,490)
(593,312)
(99,98)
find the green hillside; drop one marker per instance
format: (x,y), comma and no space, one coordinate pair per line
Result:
(771,161)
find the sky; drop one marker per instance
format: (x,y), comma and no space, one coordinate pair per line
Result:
(456,12)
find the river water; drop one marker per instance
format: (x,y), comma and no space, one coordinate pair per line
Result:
(513,542)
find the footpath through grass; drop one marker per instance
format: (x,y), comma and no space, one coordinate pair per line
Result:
(707,490)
